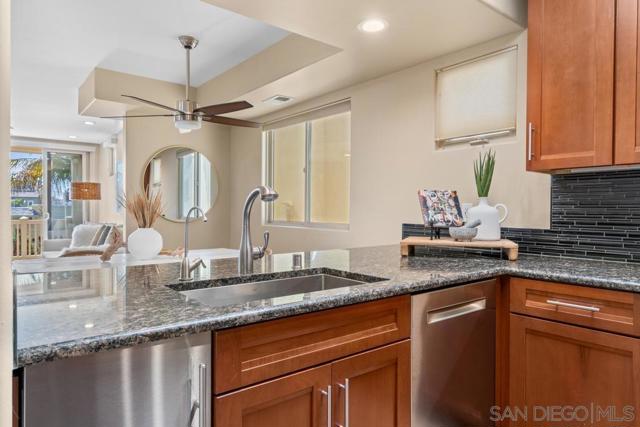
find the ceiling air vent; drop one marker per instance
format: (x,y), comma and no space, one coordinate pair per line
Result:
(277,99)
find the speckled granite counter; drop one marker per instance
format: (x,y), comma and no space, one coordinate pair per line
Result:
(66,314)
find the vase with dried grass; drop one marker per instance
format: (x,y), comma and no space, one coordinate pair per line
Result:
(145,207)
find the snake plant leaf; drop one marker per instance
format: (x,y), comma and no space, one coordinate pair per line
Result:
(483,168)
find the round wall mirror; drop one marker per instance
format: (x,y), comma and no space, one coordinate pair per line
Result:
(185,178)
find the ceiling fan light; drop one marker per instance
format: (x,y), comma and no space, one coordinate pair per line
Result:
(188,124)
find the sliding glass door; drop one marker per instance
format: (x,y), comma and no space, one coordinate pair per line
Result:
(63,214)
(40,204)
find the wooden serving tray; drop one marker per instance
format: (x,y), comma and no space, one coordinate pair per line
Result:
(407,246)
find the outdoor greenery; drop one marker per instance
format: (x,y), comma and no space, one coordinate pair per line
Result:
(483,171)
(26,174)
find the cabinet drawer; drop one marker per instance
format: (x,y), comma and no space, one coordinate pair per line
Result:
(250,354)
(602,309)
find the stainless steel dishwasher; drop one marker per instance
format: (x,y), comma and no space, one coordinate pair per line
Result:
(160,384)
(453,356)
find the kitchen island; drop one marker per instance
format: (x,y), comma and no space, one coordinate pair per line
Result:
(125,306)
(381,332)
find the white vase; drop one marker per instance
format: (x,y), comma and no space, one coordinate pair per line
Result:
(144,243)
(489,229)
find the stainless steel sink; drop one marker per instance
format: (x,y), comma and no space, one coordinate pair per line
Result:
(284,290)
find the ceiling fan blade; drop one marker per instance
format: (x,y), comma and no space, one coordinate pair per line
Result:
(229,107)
(129,117)
(155,104)
(231,122)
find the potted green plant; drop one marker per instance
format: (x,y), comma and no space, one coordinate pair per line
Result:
(489,217)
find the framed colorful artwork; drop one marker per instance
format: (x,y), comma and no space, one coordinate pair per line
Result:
(440,208)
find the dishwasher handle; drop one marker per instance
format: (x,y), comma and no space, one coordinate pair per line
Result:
(457,310)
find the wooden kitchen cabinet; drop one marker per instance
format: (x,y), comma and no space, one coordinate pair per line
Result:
(627,123)
(299,400)
(250,354)
(371,388)
(570,83)
(16,401)
(604,309)
(555,364)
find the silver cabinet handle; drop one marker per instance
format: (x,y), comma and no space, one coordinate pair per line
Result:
(202,395)
(345,389)
(571,305)
(328,395)
(456,311)
(530,138)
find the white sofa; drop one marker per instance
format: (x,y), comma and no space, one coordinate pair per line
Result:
(85,239)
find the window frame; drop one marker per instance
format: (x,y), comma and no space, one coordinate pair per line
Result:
(267,141)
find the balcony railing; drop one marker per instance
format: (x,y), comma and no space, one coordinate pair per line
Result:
(27,238)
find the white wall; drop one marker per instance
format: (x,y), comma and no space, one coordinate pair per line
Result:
(108,211)
(393,154)
(6,290)
(144,138)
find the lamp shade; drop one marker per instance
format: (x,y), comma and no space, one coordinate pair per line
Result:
(85,191)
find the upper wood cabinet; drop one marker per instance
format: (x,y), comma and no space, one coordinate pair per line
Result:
(627,123)
(570,83)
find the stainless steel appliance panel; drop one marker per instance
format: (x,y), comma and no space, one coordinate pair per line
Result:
(453,356)
(160,384)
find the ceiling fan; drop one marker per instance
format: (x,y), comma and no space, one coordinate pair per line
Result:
(187,116)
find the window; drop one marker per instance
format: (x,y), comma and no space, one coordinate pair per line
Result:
(194,178)
(308,163)
(476,99)
(156,172)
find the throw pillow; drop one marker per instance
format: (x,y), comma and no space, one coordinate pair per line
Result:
(83,234)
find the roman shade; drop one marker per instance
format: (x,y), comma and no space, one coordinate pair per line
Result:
(476,99)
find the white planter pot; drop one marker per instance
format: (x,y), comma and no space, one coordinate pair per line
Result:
(490,217)
(144,243)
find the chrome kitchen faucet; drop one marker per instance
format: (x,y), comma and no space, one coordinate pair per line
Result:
(247,252)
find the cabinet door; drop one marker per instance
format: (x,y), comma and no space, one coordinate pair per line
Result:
(373,389)
(300,400)
(570,75)
(16,401)
(627,125)
(595,373)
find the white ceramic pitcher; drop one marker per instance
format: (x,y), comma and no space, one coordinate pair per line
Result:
(490,218)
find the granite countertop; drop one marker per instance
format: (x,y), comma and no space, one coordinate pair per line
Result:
(71,313)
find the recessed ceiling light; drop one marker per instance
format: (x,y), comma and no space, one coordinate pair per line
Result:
(73,306)
(89,325)
(89,122)
(73,137)
(372,25)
